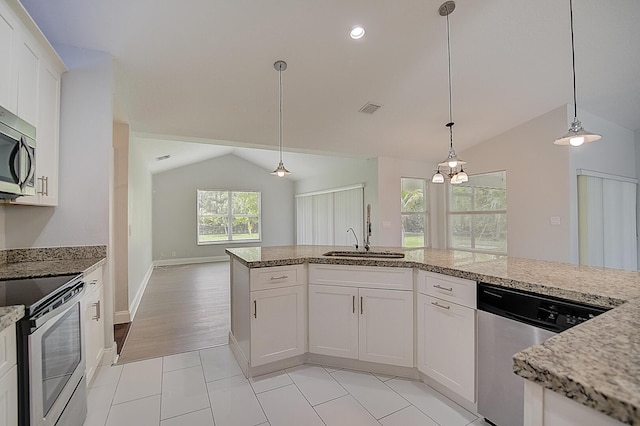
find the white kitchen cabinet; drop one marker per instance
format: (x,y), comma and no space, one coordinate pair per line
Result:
(447,332)
(268,315)
(8,35)
(333,320)
(349,319)
(277,324)
(8,377)
(28,66)
(30,75)
(93,322)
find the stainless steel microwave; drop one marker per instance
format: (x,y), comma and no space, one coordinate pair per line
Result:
(17,156)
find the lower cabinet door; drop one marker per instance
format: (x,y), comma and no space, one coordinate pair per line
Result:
(446,344)
(277,324)
(9,397)
(93,323)
(386,326)
(333,320)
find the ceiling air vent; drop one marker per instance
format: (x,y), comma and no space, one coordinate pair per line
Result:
(163,157)
(369,108)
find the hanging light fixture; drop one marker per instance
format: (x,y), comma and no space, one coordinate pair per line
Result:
(576,135)
(452,166)
(281,170)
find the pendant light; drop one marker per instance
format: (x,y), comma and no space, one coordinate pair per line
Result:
(576,135)
(452,167)
(281,170)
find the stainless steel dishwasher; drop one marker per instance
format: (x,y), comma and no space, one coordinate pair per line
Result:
(509,321)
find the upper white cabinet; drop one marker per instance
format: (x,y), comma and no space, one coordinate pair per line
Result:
(446,331)
(363,313)
(30,75)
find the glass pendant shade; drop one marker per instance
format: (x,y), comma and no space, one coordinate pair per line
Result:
(437,177)
(577,135)
(281,171)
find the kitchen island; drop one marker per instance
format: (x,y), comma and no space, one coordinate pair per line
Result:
(597,363)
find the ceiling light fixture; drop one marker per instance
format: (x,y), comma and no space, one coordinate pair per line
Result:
(576,135)
(357,32)
(452,167)
(280,171)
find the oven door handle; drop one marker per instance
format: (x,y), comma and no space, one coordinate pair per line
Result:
(37,323)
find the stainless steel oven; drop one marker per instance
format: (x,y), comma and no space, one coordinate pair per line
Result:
(51,365)
(17,156)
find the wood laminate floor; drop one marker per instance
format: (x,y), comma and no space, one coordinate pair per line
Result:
(184,308)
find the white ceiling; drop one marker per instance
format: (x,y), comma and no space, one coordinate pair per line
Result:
(186,152)
(203,69)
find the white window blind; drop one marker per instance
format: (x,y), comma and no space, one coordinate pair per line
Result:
(607,221)
(322,218)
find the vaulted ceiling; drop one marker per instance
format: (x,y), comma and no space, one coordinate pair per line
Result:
(203,69)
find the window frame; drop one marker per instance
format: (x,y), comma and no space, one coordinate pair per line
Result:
(424,213)
(230,216)
(473,213)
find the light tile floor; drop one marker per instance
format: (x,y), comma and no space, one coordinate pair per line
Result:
(207,388)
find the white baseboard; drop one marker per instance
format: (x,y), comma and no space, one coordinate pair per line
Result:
(121,317)
(189,260)
(109,354)
(133,308)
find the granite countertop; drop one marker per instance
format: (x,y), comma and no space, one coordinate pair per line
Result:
(596,363)
(10,315)
(48,268)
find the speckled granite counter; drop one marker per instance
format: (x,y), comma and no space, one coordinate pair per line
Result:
(596,363)
(10,315)
(48,262)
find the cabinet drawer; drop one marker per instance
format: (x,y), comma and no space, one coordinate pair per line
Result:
(362,276)
(7,349)
(452,289)
(276,277)
(93,280)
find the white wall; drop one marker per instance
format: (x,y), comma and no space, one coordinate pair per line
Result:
(139,222)
(355,172)
(174,205)
(390,170)
(2,234)
(614,154)
(637,143)
(538,187)
(82,216)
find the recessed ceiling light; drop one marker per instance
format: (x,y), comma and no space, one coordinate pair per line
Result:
(357,32)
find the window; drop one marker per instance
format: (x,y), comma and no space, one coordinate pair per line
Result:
(225,216)
(414,212)
(478,214)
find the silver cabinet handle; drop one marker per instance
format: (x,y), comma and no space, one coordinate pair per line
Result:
(255,309)
(443,288)
(93,282)
(361,306)
(440,306)
(281,277)
(97,306)
(353,303)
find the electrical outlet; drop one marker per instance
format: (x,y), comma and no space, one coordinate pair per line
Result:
(554,220)
(173,254)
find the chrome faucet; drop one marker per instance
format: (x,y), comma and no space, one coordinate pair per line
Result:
(368,229)
(354,236)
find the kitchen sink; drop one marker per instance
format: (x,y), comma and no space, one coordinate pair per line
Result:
(375,254)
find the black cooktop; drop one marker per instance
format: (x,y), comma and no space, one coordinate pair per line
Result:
(34,292)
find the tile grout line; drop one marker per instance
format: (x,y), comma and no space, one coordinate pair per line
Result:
(304,396)
(204,377)
(112,396)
